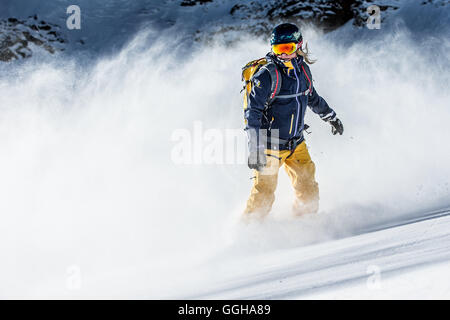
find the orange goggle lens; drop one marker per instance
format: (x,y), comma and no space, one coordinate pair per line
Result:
(288,48)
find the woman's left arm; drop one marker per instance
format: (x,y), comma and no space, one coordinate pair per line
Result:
(321,107)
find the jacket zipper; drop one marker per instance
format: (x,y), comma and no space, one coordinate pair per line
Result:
(296,98)
(292,121)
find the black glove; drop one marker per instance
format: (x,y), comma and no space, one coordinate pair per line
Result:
(257,158)
(336,126)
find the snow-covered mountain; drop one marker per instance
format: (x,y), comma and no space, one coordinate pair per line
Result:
(108,25)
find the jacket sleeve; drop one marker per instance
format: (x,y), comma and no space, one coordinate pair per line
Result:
(257,99)
(318,104)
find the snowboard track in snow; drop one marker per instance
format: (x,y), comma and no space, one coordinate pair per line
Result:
(394,248)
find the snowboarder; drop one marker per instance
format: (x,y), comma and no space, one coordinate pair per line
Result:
(276,98)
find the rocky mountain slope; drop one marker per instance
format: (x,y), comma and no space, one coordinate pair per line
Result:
(19,38)
(112,24)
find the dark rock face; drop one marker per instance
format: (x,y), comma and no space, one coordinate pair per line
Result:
(190,3)
(259,17)
(17,37)
(325,14)
(230,19)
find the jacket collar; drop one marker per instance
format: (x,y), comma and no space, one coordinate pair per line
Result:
(296,62)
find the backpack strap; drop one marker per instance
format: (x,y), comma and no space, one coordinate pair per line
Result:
(308,76)
(288,96)
(304,93)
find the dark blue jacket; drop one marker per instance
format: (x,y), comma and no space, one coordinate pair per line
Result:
(286,115)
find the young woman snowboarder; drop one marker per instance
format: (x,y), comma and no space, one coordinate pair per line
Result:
(276,101)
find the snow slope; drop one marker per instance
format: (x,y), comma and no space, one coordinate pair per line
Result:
(93,204)
(395,262)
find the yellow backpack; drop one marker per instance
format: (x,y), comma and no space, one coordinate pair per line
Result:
(251,69)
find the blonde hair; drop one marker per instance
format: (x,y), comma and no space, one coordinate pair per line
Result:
(304,52)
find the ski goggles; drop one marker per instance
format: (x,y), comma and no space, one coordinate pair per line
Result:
(288,48)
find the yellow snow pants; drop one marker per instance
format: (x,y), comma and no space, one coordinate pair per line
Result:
(300,169)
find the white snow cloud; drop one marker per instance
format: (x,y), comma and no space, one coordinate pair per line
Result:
(87,178)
